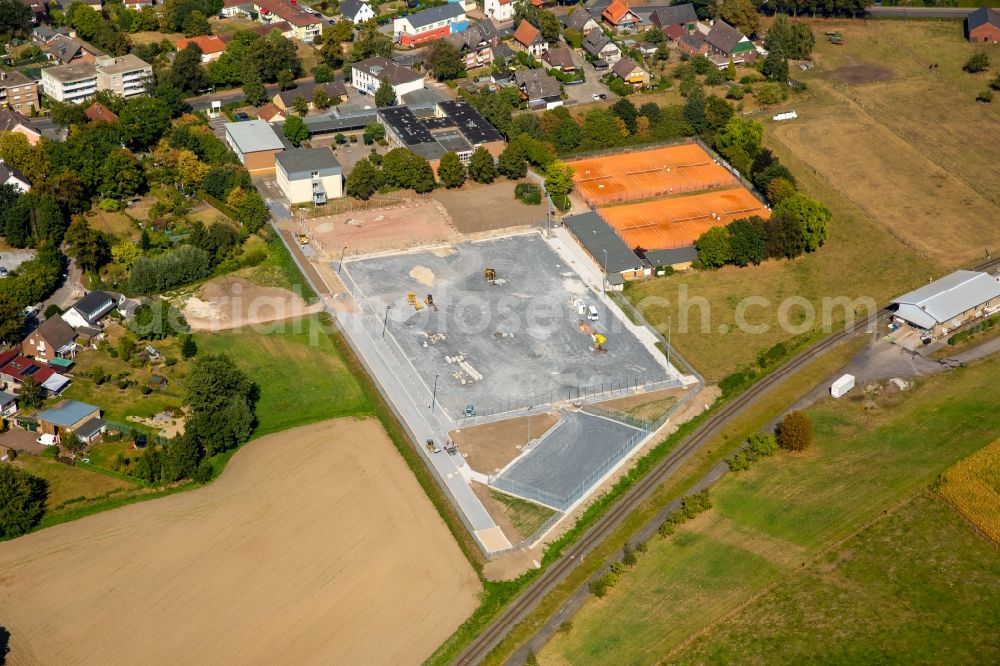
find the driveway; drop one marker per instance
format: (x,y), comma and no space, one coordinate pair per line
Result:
(22,441)
(583,93)
(69,292)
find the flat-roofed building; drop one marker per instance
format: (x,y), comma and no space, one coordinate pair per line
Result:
(309,175)
(75,82)
(255,144)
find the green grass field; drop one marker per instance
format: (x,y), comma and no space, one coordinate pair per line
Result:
(917,586)
(769,521)
(301,376)
(526,517)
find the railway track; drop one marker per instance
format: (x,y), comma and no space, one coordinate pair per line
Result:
(476,651)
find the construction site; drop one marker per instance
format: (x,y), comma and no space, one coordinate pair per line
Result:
(479,332)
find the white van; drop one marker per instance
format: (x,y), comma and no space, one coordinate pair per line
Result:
(580,306)
(591,313)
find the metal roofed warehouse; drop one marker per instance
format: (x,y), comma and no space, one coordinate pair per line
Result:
(948,303)
(597,237)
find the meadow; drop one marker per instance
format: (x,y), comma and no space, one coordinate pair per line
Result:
(776,518)
(884,142)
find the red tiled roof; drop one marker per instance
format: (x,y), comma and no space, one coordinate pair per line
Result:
(22,367)
(207,43)
(98,111)
(616,11)
(675,31)
(288,11)
(268,111)
(526,33)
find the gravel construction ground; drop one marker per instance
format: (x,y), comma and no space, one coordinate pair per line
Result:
(381,229)
(315,546)
(489,447)
(500,347)
(477,208)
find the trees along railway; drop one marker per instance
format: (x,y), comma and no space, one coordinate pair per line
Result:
(481,646)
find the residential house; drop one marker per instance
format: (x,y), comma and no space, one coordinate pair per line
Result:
(475,49)
(270,113)
(210,45)
(631,72)
(11,176)
(619,17)
(683,16)
(500,11)
(15,369)
(530,39)
(12,121)
(38,11)
(125,75)
(356,11)
(18,92)
(285,99)
(579,20)
(255,143)
(367,75)
(43,34)
(98,112)
(66,417)
(692,43)
(943,305)
(600,47)
(983,25)
(560,58)
(540,89)
(64,50)
(429,24)
(233,8)
(53,339)
(8,404)
(726,40)
(309,175)
(90,309)
(305,25)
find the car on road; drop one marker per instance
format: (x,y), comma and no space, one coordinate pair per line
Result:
(592,313)
(470,411)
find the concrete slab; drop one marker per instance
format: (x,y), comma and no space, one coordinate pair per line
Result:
(511,345)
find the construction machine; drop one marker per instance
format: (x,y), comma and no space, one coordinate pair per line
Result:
(430,302)
(490,275)
(411,298)
(302,239)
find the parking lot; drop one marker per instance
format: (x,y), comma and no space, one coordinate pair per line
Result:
(11,259)
(500,346)
(583,92)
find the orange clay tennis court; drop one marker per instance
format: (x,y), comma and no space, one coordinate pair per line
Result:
(679,221)
(648,173)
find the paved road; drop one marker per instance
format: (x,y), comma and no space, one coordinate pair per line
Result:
(920,12)
(69,292)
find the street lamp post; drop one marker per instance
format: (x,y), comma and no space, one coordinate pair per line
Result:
(385,321)
(434,392)
(604,281)
(341,264)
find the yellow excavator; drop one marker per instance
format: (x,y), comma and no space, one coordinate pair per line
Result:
(302,239)
(412,299)
(490,275)
(598,338)
(430,302)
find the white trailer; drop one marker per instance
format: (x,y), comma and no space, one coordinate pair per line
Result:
(840,387)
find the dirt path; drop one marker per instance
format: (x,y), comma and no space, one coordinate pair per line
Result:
(315,546)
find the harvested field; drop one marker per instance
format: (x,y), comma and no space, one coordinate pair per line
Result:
(973,487)
(316,545)
(232,302)
(648,173)
(679,221)
(376,229)
(476,208)
(489,447)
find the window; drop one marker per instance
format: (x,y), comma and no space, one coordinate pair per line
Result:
(315,174)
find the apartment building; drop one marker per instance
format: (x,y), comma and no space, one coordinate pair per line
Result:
(18,92)
(126,75)
(306,26)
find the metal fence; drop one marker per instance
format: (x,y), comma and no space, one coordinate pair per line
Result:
(131,431)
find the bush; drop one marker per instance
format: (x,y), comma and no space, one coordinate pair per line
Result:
(985,97)
(977,62)
(794,432)
(694,504)
(204,472)
(52,311)
(600,585)
(759,445)
(735,92)
(984,325)
(528,193)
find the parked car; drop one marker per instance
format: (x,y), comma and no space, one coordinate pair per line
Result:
(591,313)
(46,440)
(3,272)
(470,411)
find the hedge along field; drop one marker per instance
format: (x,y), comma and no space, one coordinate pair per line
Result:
(770,520)
(973,487)
(301,376)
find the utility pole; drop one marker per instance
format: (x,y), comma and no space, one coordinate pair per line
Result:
(341,264)
(604,280)
(670,325)
(385,321)
(434,392)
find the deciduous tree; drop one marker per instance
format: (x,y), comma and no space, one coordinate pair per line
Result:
(794,432)
(714,247)
(451,171)
(482,168)
(22,499)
